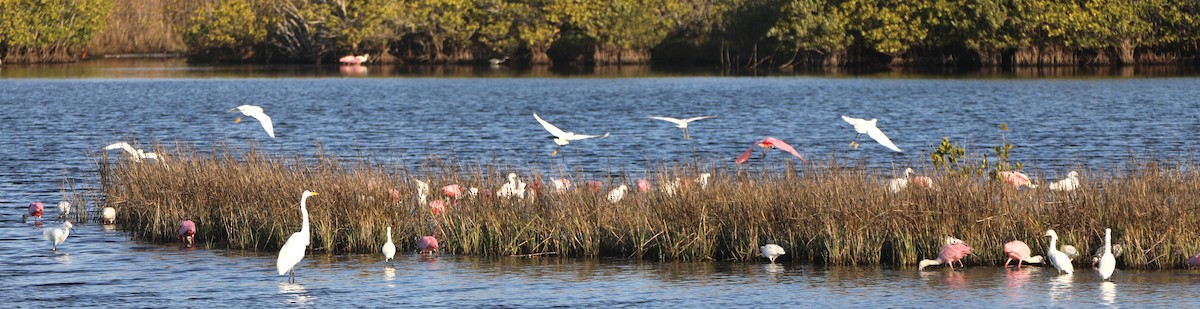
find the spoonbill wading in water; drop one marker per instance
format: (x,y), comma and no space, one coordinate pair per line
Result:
(1058,259)
(427,244)
(868,127)
(1018,250)
(293,250)
(682,123)
(768,143)
(35,210)
(354,60)
(948,255)
(257,113)
(561,137)
(187,233)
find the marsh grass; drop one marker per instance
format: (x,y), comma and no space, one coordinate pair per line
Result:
(822,212)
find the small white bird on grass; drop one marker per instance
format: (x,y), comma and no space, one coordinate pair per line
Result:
(681,123)
(561,137)
(257,113)
(58,235)
(1067,184)
(771,251)
(868,127)
(134,154)
(513,188)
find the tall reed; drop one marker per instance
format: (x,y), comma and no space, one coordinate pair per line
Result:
(822,212)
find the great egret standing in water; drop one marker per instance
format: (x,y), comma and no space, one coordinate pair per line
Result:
(868,127)
(257,113)
(293,250)
(561,137)
(682,123)
(1108,263)
(58,235)
(389,248)
(1057,258)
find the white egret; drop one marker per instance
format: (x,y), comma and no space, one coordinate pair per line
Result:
(771,251)
(1067,184)
(135,154)
(389,248)
(682,123)
(1057,258)
(561,184)
(899,184)
(257,113)
(293,250)
(868,127)
(422,192)
(617,194)
(513,188)
(703,180)
(64,208)
(58,235)
(108,215)
(1107,262)
(561,137)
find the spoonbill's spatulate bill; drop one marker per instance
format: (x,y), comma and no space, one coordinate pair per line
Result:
(257,113)
(948,255)
(293,250)
(562,138)
(768,143)
(868,127)
(1018,250)
(681,123)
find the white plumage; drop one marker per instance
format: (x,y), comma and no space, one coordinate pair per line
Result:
(293,250)
(513,188)
(771,251)
(108,215)
(135,154)
(561,137)
(617,194)
(681,123)
(389,248)
(1067,184)
(868,127)
(58,235)
(1108,263)
(1057,258)
(257,113)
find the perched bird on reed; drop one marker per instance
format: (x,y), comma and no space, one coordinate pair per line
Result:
(617,194)
(257,113)
(35,210)
(135,154)
(900,183)
(948,255)
(389,248)
(513,188)
(1018,250)
(562,138)
(1117,250)
(868,127)
(768,143)
(293,250)
(1108,263)
(427,244)
(58,235)
(682,123)
(1017,179)
(771,251)
(1058,259)
(108,215)
(187,233)
(1067,184)
(354,60)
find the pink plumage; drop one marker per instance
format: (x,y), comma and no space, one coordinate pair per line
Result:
(1017,179)
(35,210)
(394,194)
(643,185)
(1016,250)
(427,244)
(594,185)
(768,143)
(353,60)
(954,253)
(1194,261)
(187,232)
(438,207)
(454,191)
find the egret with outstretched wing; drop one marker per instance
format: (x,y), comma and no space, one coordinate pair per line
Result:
(562,138)
(257,113)
(681,123)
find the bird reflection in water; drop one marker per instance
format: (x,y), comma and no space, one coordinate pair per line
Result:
(773,271)
(389,273)
(1016,280)
(956,280)
(353,70)
(1108,293)
(1060,289)
(297,292)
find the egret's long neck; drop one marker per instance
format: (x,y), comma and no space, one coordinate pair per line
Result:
(1053,246)
(389,234)
(304,215)
(1108,241)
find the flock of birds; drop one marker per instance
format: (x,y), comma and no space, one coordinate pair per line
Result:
(1104,260)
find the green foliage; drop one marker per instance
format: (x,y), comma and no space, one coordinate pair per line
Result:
(812,26)
(31,25)
(950,157)
(230,29)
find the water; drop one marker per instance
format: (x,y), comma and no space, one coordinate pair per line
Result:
(50,125)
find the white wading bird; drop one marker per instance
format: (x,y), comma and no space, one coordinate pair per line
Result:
(293,250)
(135,154)
(868,127)
(682,123)
(58,235)
(563,138)
(1057,258)
(389,248)
(771,251)
(1067,184)
(257,113)
(1107,262)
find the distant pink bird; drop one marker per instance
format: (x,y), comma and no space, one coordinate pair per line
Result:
(35,211)
(1018,250)
(1017,179)
(187,232)
(427,244)
(394,194)
(594,185)
(643,185)
(454,191)
(353,60)
(438,207)
(949,254)
(768,143)
(1194,261)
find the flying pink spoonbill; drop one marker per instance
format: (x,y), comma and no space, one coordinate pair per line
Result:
(768,143)
(948,255)
(682,123)
(35,211)
(562,138)
(427,244)
(354,60)
(868,127)
(1018,250)
(1017,179)
(187,233)
(1194,261)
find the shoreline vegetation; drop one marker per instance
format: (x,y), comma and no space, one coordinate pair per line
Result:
(768,34)
(824,211)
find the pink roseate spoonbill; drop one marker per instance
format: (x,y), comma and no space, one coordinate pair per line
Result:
(454,191)
(58,235)
(35,211)
(594,185)
(617,194)
(948,255)
(354,60)
(768,143)
(1194,261)
(389,248)
(293,250)
(771,251)
(561,184)
(1017,179)
(513,188)
(1117,250)
(135,154)
(1108,263)
(682,123)
(427,244)
(562,138)
(438,207)
(187,233)
(643,185)
(108,215)
(1058,259)
(896,185)
(1018,250)
(258,113)
(1067,184)
(868,127)
(394,195)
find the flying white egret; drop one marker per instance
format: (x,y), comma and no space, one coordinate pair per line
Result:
(389,248)
(561,137)
(868,127)
(134,154)
(108,215)
(58,235)
(1057,258)
(681,123)
(293,250)
(257,113)
(771,251)
(1107,262)
(617,194)
(1067,184)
